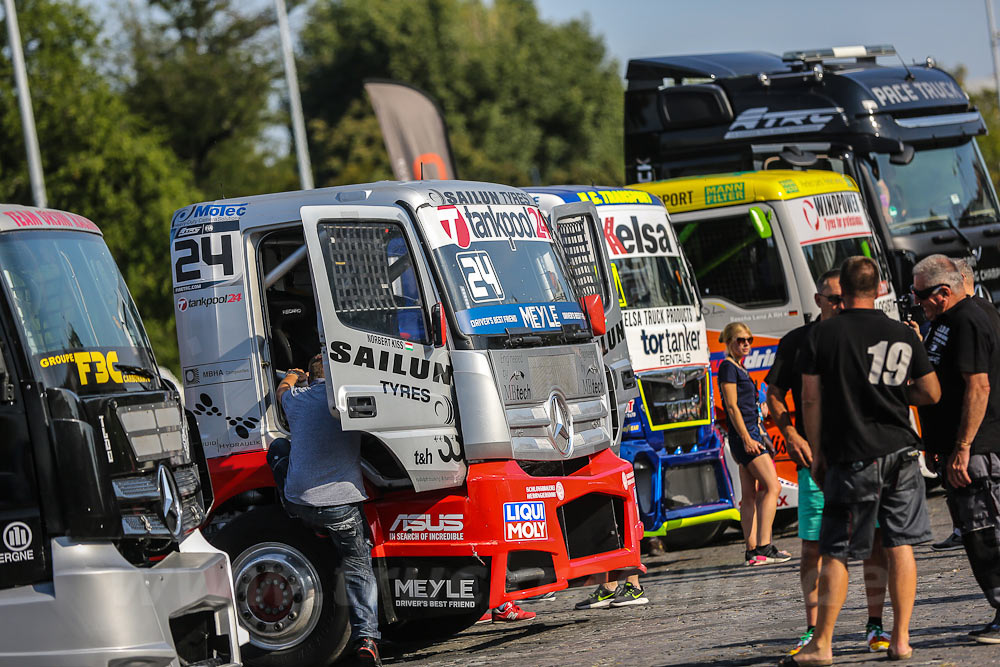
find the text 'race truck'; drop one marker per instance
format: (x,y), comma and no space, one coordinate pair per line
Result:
(758,242)
(904,133)
(460,336)
(669,434)
(103,482)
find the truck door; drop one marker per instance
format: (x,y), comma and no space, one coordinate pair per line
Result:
(577,229)
(24,557)
(384,374)
(744,273)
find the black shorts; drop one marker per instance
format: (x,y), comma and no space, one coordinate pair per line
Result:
(889,488)
(977,506)
(739,452)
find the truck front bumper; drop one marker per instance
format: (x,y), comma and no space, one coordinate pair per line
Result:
(536,527)
(101,610)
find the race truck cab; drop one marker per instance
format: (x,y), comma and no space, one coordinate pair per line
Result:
(904,133)
(669,435)
(758,241)
(103,483)
(459,335)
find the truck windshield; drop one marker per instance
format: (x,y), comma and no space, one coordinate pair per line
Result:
(76,317)
(828,255)
(496,285)
(653,282)
(938,188)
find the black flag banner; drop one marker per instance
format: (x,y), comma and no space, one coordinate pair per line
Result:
(414,131)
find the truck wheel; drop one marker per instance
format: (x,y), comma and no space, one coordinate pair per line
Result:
(287,582)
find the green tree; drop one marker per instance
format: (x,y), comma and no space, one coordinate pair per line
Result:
(204,73)
(98,159)
(523,99)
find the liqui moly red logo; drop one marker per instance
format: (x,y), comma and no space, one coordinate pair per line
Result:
(524,521)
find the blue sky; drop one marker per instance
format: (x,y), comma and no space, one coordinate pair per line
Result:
(952,32)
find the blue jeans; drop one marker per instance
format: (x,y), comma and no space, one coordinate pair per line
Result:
(348,529)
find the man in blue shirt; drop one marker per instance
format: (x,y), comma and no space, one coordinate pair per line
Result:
(324,488)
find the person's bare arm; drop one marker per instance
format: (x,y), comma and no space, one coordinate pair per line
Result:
(977,394)
(925,390)
(290,380)
(812,396)
(729,399)
(797,446)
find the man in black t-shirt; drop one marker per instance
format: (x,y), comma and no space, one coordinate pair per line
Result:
(786,375)
(856,388)
(962,432)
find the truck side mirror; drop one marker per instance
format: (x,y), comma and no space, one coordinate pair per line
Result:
(761,223)
(593,307)
(439,325)
(904,156)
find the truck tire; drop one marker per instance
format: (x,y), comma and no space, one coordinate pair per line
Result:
(288,588)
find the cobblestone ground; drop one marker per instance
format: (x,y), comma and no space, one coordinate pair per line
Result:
(707,608)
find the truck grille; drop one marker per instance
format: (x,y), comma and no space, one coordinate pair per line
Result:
(677,397)
(138,497)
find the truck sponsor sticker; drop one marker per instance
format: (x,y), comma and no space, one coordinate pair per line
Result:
(448,593)
(535,316)
(480,276)
(918,91)
(427,527)
(93,367)
(759,122)
(201,213)
(828,217)
(524,521)
(664,337)
(539,491)
(17,538)
(217,372)
(638,233)
(463,225)
(724,193)
(759,359)
(601,197)
(28,219)
(205,255)
(342,352)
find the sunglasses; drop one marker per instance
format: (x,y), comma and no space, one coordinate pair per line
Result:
(741,340)
(834,299)
(927,291)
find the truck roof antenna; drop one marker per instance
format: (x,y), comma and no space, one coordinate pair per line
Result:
(909,74)
(421,170)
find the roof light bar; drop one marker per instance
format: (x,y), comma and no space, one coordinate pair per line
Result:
(840,52)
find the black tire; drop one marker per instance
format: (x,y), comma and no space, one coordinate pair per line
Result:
(693,537)
(267,537)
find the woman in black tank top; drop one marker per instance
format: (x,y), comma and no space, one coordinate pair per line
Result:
(750,446)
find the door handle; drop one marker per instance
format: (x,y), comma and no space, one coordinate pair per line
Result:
(991,231)
(943,238)
(361,407)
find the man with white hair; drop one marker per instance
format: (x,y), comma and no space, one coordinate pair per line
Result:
(954,540)
(962,431)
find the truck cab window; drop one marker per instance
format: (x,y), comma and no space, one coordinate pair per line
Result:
(733,262)
(373,279)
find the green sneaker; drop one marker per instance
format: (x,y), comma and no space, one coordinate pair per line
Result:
(803,640)
(629,595)
(600,598)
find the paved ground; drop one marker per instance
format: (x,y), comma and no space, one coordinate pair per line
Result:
(707,608)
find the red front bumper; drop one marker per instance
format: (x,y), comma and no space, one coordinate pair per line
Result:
(573,526)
